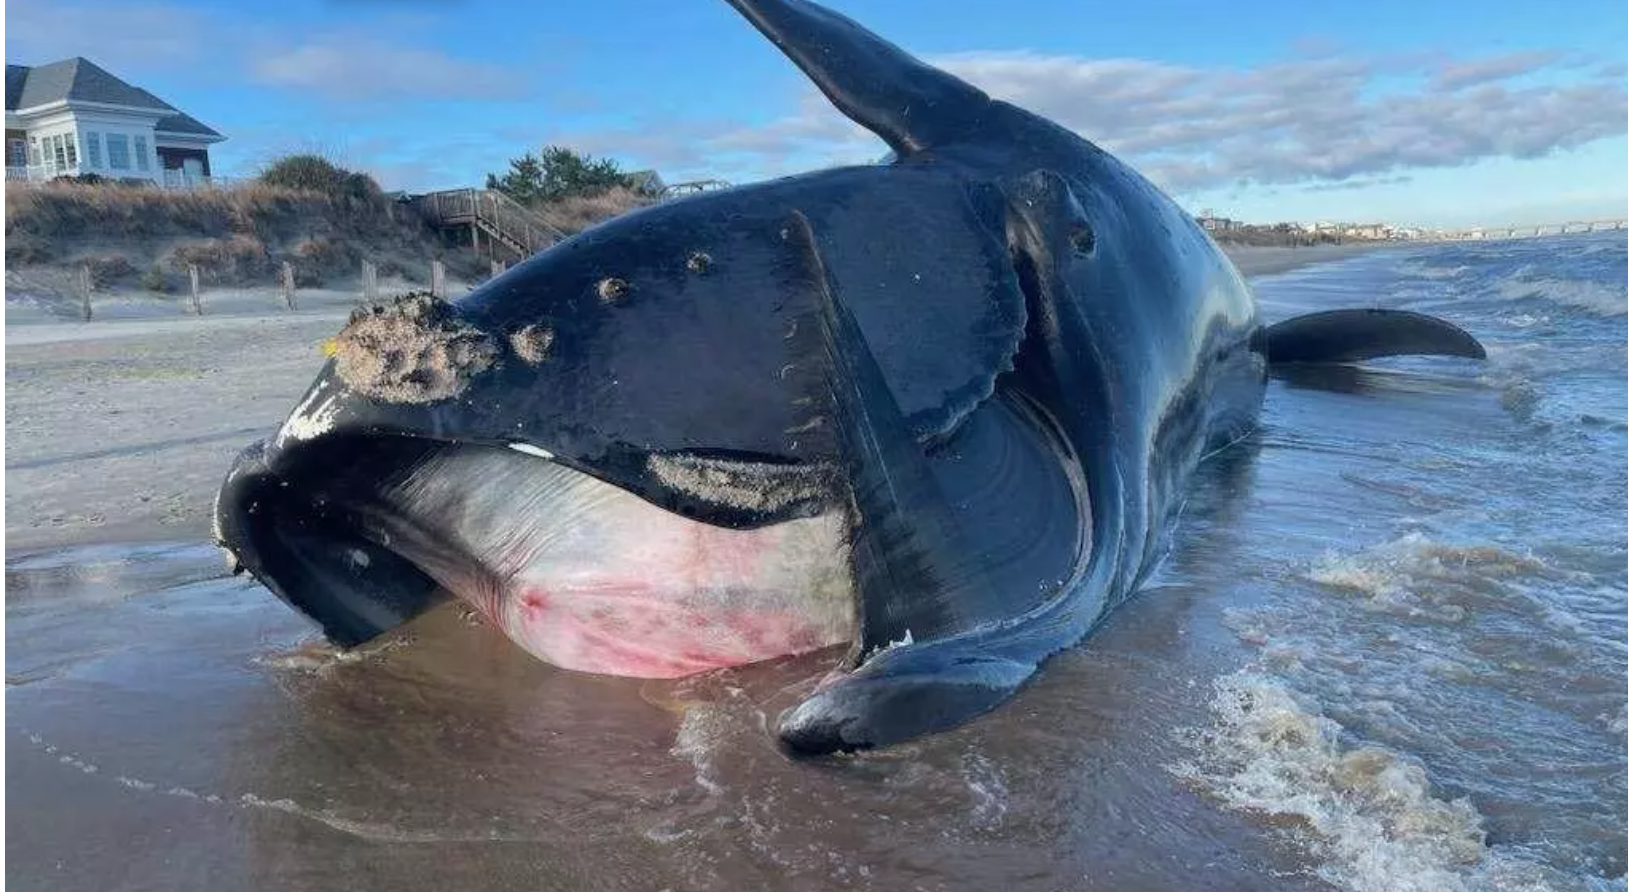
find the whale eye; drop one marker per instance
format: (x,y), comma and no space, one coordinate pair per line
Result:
(1082,239)
(613,290)
(699,263)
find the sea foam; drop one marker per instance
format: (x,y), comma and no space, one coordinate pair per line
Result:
(1370,817)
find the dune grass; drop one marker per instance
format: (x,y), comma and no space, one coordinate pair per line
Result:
(236,235)
(573,214)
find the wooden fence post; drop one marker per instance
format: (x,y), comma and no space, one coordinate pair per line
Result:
(288,284)
(370,281)
(498,266)
(438,278)
(84,289)
(197,301)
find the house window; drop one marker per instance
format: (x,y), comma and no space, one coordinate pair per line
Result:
(59,150)
(141,153)
(118,151)
(93,149)
(71,140)
(34,156)
(16,153)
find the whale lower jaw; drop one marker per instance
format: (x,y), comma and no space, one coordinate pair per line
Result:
(362,535)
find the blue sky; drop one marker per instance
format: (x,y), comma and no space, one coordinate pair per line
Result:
(1422,112)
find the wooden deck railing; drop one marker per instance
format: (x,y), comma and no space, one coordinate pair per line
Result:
(493,213)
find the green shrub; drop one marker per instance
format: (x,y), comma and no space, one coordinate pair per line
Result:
(559,173)
(314,173)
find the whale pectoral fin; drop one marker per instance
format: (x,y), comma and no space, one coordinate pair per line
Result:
(883,703)
(918,664)
(910,564)
(1354,335)
(910,105)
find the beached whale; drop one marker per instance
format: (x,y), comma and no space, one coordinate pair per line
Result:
(941,409)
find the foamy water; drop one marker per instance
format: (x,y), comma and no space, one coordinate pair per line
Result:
(1437,686)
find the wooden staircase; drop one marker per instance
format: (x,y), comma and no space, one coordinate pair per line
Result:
(503,220)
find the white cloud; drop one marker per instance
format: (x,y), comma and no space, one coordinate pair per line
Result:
(1328,119)
(1493,68)
(348,67)
(1310,121)
(390,61)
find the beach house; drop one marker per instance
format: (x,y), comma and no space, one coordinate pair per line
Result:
(72,117)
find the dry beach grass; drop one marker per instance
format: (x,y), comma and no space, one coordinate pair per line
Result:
(145,239)
(573,214)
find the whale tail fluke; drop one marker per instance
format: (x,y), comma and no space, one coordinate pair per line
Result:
(1340,336)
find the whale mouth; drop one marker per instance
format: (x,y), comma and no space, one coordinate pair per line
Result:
(361,533)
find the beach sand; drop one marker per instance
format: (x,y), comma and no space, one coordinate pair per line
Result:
(121,429)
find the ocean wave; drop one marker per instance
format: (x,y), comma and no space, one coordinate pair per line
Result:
(1424,270)
(1593,296)
(1526,320)
(1369,815)
(1417,577)
(1618,724)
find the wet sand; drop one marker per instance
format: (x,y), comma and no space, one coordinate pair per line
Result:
(194,738)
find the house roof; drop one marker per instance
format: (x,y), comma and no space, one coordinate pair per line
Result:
(81,79)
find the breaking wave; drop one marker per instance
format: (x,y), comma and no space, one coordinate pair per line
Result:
(1368,816)
(1417,577)
(1601,298)
(1424,270)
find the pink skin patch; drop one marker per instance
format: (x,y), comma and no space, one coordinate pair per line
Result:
(638,631)
(676,605)
(591,578)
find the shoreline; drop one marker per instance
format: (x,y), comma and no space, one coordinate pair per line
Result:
(1257,261)
(199,389)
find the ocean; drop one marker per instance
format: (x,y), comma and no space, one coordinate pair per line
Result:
(1388,651)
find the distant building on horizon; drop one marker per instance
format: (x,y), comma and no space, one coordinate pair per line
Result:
(1369,230)
(73,117)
